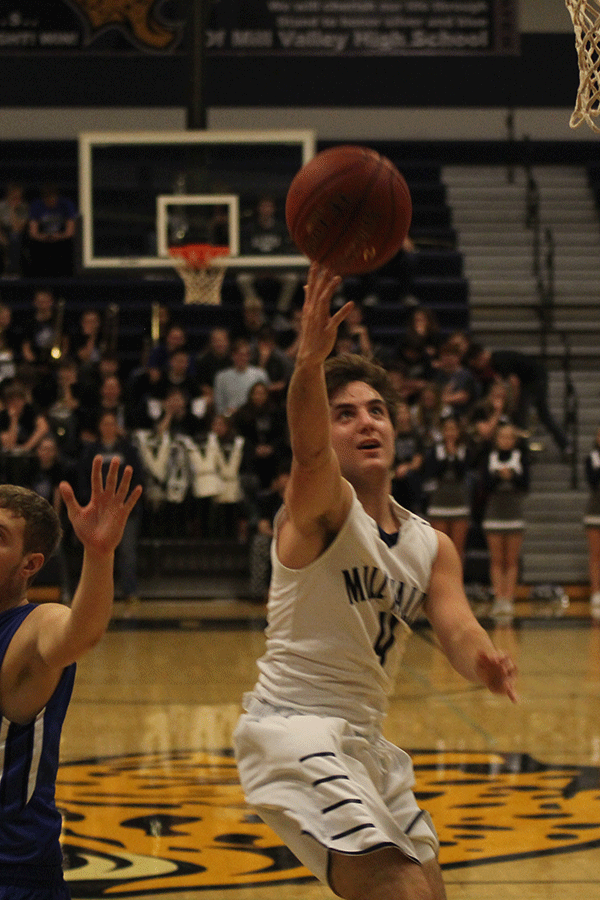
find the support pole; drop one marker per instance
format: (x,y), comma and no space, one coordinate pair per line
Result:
(196,108)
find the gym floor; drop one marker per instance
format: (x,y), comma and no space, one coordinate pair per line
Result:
(152,805)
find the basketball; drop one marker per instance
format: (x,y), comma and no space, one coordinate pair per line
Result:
(349,209)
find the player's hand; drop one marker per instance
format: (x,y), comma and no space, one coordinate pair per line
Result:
(99,525)
(318,330)
(498,672)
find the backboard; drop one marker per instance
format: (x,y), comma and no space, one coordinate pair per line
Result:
(140,191)
(195,218)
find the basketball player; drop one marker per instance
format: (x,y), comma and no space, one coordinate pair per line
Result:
(351,571)
(38,648)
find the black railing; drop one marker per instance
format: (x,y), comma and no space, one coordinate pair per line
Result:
(571,411)
(539,264)
(545,290)
(543,270)
(510,140)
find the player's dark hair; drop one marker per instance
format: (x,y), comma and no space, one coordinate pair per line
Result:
(42,532)
(342,370)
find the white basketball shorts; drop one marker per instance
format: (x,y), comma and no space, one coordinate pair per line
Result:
(322,787)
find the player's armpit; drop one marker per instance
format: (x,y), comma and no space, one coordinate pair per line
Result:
(304,534)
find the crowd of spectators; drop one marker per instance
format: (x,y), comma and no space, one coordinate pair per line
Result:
(204,425)
(37,235)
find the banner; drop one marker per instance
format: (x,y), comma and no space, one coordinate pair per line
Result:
(361,27)
(98,26)
(263,27)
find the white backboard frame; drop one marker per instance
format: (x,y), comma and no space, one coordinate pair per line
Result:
(304,138)
(164,201)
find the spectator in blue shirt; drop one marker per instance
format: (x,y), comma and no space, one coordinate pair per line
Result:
(52,221)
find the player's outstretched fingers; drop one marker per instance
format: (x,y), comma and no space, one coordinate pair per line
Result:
(112,475)
(128,501)
(68,495)
(96,480)
(498,673)
(123,487)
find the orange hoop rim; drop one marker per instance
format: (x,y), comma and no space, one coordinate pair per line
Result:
(198,256)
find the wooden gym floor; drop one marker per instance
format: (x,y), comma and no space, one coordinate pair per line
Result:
(153,809)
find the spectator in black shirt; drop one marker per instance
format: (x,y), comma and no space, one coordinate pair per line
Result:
(215,356)
(178,416)
(261,422)
(529,379)
(269,356)
(110,443)
(39,329)
(22,425)
(265,234)
(412,353)
(269,502)
(459,387)
(47,468)
(408,461)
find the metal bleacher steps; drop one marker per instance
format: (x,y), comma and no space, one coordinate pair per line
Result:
(193,568)
(490,218)
(490,213)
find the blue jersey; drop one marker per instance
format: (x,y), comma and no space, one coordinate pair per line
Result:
(30,823)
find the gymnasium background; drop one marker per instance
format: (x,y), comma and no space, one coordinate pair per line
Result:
(76,65)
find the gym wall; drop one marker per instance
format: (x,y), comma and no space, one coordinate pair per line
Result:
(139,76)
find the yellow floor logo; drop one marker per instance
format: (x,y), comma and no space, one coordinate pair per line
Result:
(156,823)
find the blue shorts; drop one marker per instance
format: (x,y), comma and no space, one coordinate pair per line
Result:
(30,882)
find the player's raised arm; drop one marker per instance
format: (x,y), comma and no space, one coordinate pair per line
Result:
(68,633)
(99,526)
(315,487)
(52,636)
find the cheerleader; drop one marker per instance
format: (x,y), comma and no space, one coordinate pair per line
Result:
(446,480)
(506,477)
(591,521)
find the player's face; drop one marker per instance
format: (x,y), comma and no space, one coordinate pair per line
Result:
(361,431)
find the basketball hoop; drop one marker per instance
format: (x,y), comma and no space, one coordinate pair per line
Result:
(585,15)
(202,281)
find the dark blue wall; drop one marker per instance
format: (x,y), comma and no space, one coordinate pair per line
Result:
(544,74)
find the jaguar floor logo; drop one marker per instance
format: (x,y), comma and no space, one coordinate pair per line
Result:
(141,20)
(160,823)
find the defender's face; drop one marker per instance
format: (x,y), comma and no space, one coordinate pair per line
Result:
(12,558)
(361,431)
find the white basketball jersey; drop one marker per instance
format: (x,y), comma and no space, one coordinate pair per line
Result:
(337,628)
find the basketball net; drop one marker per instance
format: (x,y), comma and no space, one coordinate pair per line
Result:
(202,282)
(585,15)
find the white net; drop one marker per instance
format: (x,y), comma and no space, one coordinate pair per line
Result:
(202,281)
(201,285)
(585,15)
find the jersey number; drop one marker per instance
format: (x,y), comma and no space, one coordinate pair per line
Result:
(385,638)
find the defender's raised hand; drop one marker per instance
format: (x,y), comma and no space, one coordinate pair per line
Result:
(99,525)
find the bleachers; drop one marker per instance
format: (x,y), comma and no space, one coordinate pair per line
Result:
(438,279)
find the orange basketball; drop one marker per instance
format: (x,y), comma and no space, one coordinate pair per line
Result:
(349,208)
